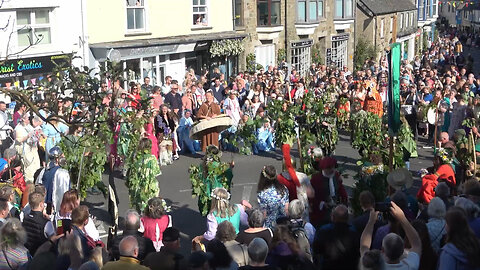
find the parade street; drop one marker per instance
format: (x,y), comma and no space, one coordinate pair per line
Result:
(175,185)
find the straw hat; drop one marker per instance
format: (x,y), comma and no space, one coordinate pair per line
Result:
(400,178)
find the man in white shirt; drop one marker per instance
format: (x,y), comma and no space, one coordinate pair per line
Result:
(166,86)
(5,128)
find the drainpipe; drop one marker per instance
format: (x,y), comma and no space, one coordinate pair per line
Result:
(286,37)
(375,37)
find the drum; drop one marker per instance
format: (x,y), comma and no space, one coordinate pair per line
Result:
(204,126)
(431,116)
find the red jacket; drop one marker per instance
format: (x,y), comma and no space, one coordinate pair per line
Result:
(444,173)
(322,192)
(292,183)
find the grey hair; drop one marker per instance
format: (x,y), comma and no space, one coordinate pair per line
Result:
(256,218)
(132,220)
(436,208)
(128,245)
(12,234)
(225,231)
(258,250)
(393,246)
(470,207)
(296,208)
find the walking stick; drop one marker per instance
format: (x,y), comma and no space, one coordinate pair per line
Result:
(81,166)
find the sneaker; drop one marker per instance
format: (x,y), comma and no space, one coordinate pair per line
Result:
(176,157)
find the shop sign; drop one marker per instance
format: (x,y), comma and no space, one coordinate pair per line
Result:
(302,43)
(340,37)
(29,66)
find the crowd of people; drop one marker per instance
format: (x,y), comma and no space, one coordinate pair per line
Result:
(298,221)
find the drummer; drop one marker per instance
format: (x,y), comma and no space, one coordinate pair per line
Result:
(209,110)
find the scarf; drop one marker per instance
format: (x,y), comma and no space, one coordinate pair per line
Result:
(331,185)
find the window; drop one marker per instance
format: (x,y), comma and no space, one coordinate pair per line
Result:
(238,12)
(33,27)
(412,16)
(339,53)
(434,3)
(391,24)
(382,28)
(428,9)
(200,13)
(268,12)
(421,10)
(400,22)
(309,10)
(301,59)
(343,9)
(135,15)
(406,20)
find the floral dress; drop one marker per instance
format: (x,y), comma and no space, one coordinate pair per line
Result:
(273,202)
(142,181)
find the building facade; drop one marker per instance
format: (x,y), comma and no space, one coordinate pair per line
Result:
(384,21)
(427,17)
(156,38)
(36,37)
(296,29)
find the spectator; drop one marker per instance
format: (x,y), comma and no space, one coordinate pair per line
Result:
(155,220)
(80,217)
(132,225)
(168,258)
(221,259)
(296,210)
(12,240)
(257,253)
(63,218)
(174,100)
(285,252)
(256,229)
(4,211)
(218,91)
(462,248)
(336,244)
(226,234)
(8,193)
(265,138)
(39,229)
(429,257)
(472,213)
(199,260)
(367,202)
(272,196)
(436,222)
(157,99)
(128,250)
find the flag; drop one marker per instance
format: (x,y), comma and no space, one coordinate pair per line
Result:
(394,89)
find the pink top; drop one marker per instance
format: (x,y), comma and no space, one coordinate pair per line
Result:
(157,101)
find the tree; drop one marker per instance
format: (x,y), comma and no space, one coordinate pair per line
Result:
(363,50)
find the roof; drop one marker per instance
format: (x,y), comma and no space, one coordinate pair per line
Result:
(380,7)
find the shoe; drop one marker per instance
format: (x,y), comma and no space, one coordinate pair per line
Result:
(426,147)
(176,157)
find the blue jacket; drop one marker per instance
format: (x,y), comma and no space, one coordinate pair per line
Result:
(451,258)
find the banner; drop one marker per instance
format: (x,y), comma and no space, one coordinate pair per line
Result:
(18,68)
(394,58)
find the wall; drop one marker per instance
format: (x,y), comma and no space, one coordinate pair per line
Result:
(162,20)
(65,22)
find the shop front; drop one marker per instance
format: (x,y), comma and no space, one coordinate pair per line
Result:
(28,72)
(158,58)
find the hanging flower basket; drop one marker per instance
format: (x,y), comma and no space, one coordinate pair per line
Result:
(227,47)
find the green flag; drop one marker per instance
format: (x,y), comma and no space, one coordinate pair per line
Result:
(394,89)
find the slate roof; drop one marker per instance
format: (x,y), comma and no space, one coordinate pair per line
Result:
(380,7)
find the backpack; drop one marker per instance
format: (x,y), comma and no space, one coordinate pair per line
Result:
(298,231)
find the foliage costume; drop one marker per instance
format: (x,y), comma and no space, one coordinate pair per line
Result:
(211,174)
(373,101)
(142,179)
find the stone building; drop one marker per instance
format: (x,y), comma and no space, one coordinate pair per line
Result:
(296,29)
(375,21)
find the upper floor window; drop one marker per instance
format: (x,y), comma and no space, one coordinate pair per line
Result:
(200,13)
(343,9)
(412,16)
(135,15)
(382,28)
(268,12)
(309,10)
(33,27)
(238,12)
(400,22)
(391,24)
(428,8)
(421,10)
(434,3)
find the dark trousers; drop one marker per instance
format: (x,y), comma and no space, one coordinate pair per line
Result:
(412,122)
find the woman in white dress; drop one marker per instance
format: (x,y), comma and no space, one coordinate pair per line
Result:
(26,144)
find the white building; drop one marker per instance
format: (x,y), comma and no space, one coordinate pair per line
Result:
(35,33)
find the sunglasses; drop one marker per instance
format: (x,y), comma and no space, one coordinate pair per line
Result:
(173,88)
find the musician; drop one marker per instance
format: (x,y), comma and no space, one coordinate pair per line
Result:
(440,107)
(373,101)
(207,111)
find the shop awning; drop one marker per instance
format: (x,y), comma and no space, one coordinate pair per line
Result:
(131,49)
